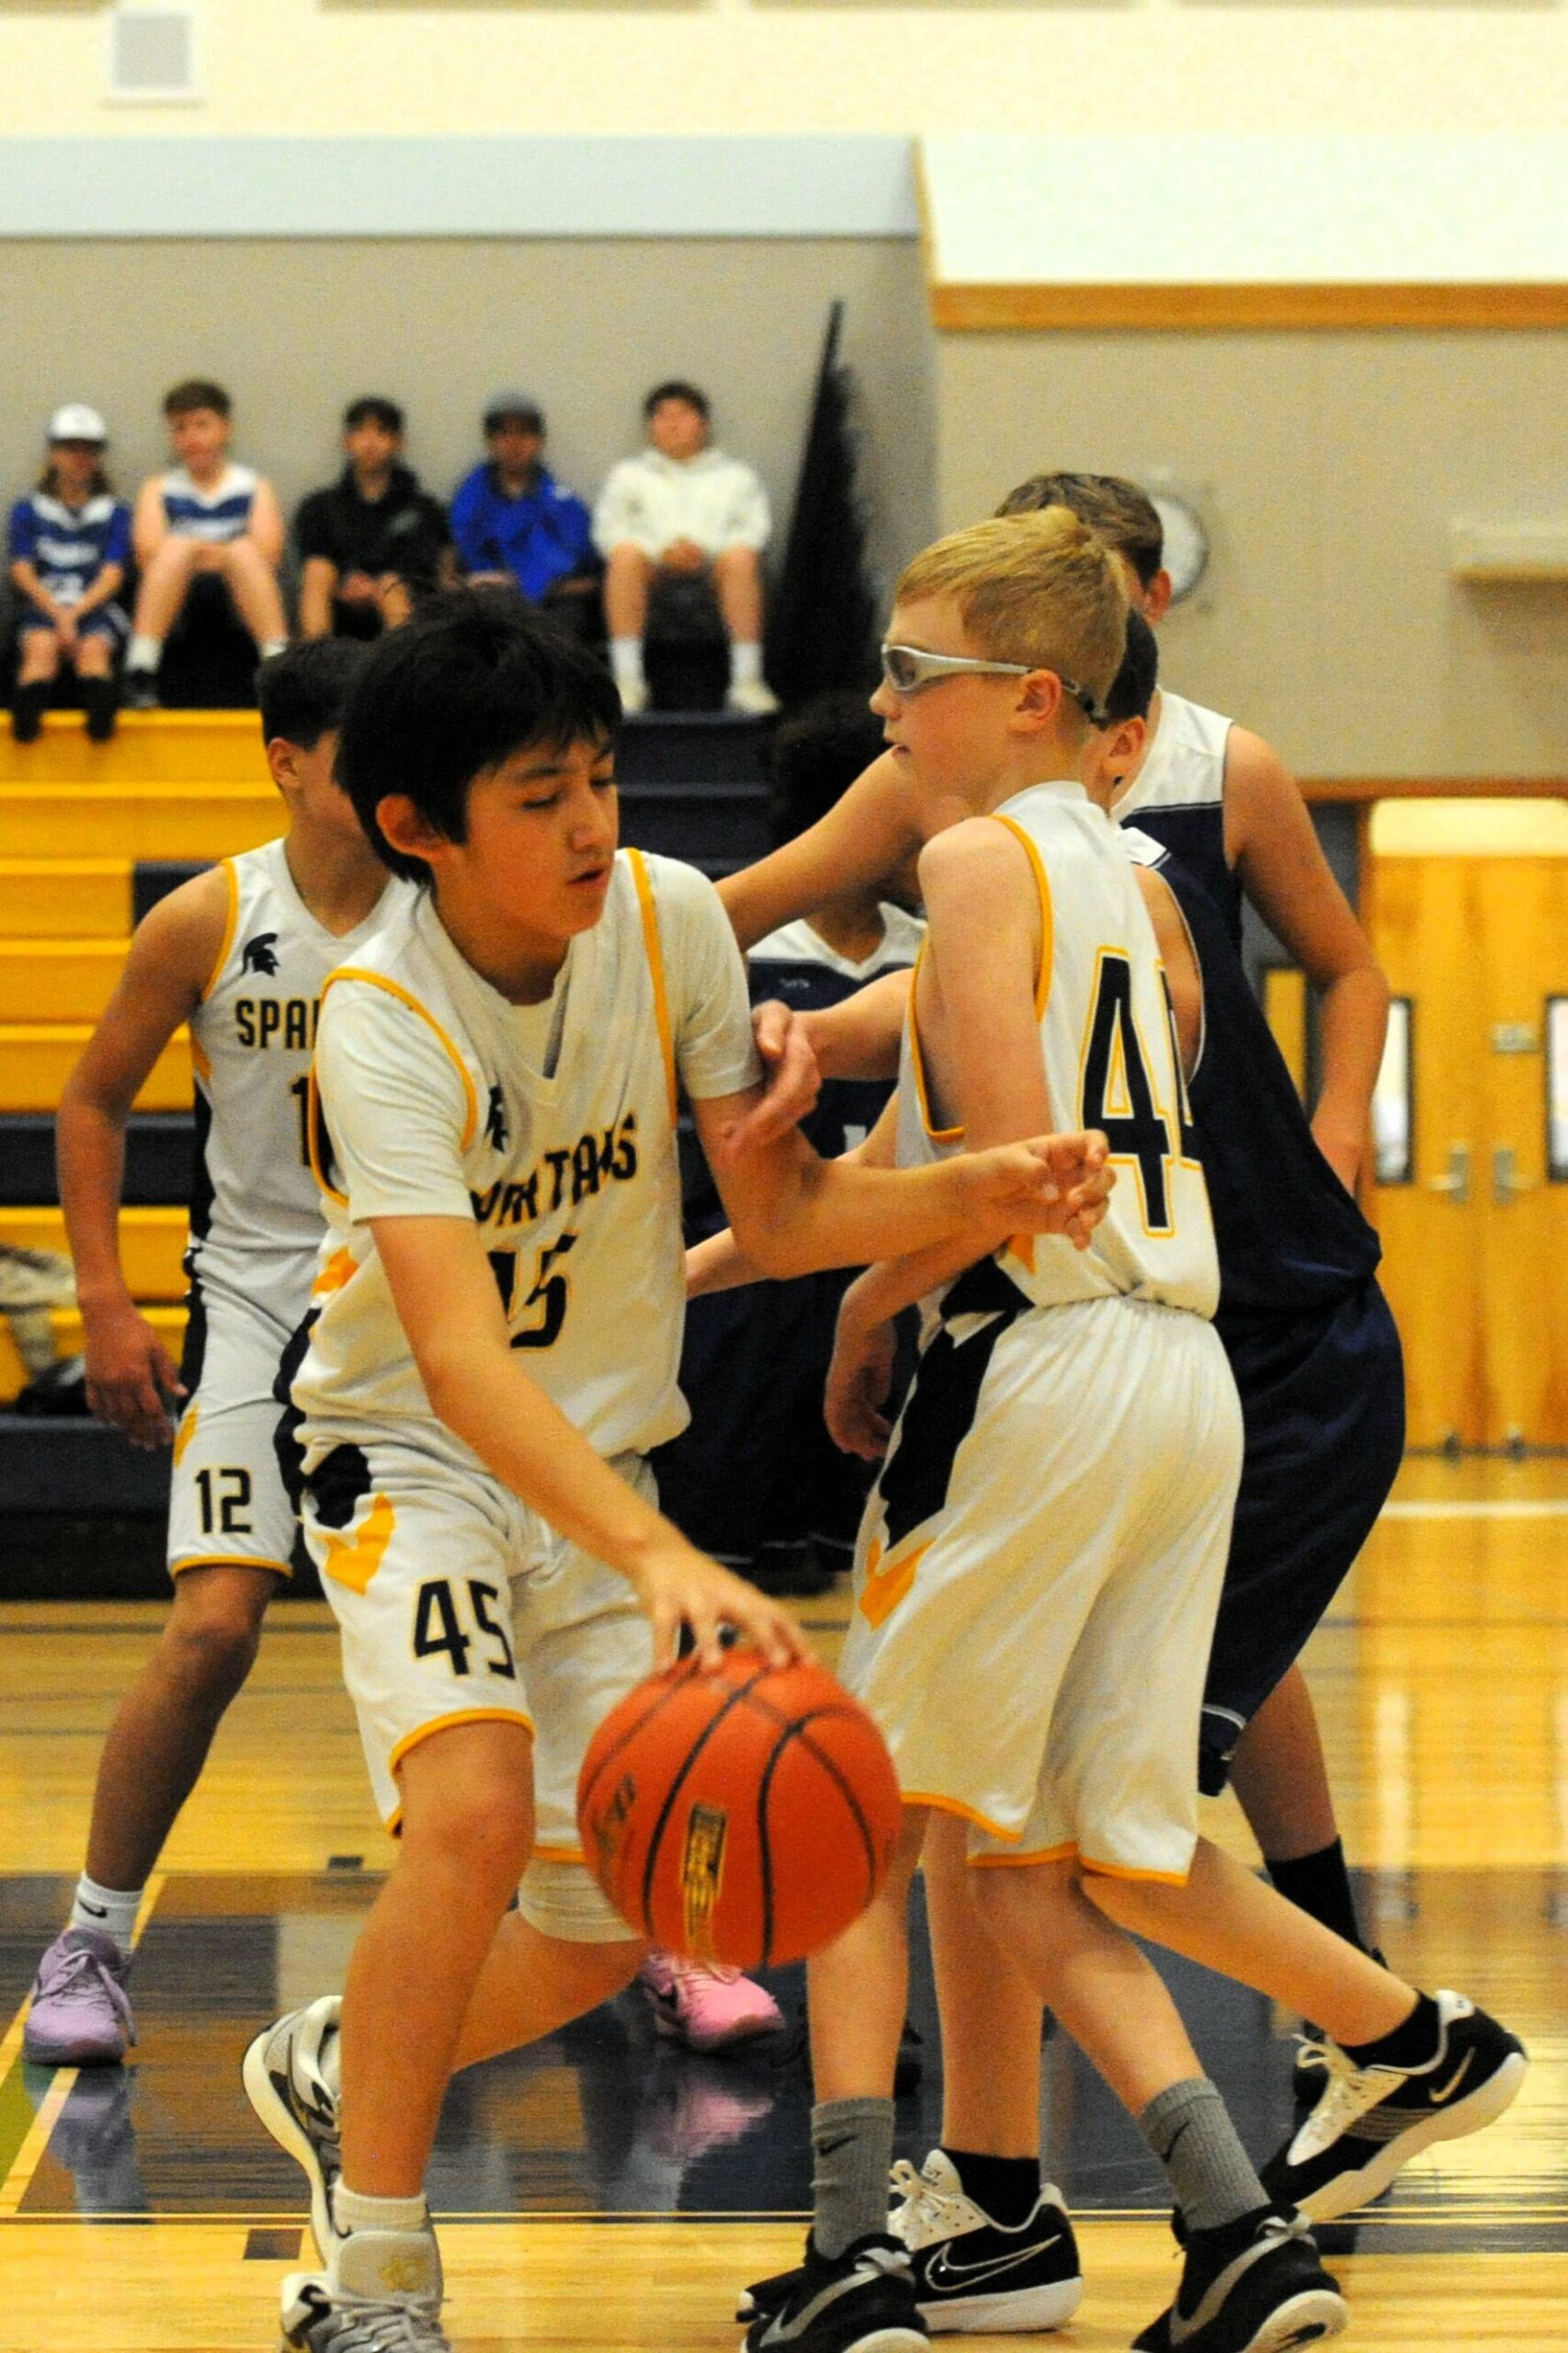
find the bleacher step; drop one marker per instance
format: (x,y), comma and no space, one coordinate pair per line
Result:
(168,1321)
(121,818)
(52,898)
(49,1466)
(37,1057)
(152,1244)
(70,980)
(693,748)
(150,747)
(159,1152)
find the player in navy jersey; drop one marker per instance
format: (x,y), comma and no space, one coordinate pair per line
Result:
(70,546)
(756,1479)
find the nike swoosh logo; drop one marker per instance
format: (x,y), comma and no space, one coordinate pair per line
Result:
(1446,2091)
(942,2269)
(831,2148)
(98,1910)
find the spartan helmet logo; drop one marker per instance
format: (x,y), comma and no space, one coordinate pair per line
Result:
(495,1120)
(260,954)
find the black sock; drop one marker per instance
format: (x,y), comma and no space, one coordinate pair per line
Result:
(100,698)
(1412,2044)
(28,707)
(1007,2188)
(1320,1886)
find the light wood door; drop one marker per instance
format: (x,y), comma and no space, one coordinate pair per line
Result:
(1475,1237)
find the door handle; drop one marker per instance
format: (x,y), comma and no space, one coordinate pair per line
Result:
(1506,1182)
(1456,1184)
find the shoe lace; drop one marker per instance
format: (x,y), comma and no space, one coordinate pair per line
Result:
(1312,2053)
(1348,2092)
(371,2326)
(927,2213)
(78,1975)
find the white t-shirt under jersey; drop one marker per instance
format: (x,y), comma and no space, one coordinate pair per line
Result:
(439,1098)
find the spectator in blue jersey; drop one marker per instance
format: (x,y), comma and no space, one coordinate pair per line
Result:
(206,515)
(69,547)
(755,1478)
(374,539)
(514,523)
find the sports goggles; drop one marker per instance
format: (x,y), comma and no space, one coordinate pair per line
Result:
(907,669)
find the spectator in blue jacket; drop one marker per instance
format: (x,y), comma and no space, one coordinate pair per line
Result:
(514,522)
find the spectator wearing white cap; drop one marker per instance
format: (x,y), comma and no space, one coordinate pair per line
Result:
(682,507)
(70,546)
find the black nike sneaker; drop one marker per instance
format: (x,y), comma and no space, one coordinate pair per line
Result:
(1370,2121)
(1255,2287)
(860,2301)
(973,2273)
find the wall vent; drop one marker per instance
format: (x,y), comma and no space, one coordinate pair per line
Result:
(152,56)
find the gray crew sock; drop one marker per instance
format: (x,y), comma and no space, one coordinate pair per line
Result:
(1213,2180)
(851,2158)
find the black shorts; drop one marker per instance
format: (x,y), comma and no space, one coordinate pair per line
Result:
(1322,1408)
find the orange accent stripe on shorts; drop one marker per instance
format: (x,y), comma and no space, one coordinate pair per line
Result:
(354,1560)
(225,1561)
(1125,1870)
(560,1855)
(649,911)
(1022,1862)
(230,925)
(185,1431)
(445,1723)
(956,1805)
(882,1589)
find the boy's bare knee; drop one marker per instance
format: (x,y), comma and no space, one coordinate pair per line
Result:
(214,1647)
(486,1832)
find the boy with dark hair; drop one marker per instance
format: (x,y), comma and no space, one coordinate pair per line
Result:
(493,1351)
(684,509)
(240,953)
(374,539)
(513,521)
(205,517)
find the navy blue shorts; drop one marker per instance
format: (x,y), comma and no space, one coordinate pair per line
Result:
(104,620)
(1322,1408)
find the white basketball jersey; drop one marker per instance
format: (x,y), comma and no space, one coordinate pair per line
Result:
(1108,1037)
(1184,767)
(573,1178)
(255,1220)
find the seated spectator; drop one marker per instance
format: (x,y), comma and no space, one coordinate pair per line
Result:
(370,542)
(513,521)
(681,509)
(755,1478)
(70,548)
(206,515)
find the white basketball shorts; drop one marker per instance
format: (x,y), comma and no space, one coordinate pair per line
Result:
(227,1500)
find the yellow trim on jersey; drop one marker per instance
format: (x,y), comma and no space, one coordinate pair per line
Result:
(1023,1862)
(230,928)
(225,1561)
(882,1589)
(354,1560)
(645,883)
(338,1272)
(917,1062)
(199,1061)
(1126,1870)
(405,996)
(1047,913)
(956,1805)
(445,1723)
(314,1124)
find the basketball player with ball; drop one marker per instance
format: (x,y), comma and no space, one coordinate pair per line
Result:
(492,1350)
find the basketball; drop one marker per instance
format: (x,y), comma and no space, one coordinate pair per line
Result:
(739,1814)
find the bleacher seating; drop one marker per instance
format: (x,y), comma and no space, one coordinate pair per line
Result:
(93,835)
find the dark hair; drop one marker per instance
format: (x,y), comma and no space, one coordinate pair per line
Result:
(475,676)
(817,755)
(678,391)
(197,392)
(99,487)
(371,408)
(1133,688)
(303,690)
(513,412)
(1121,514)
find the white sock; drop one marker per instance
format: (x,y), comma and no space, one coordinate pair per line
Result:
(746,662)
(271,645)
(353,2211)
(146,653)
(110,1910)
(626,661)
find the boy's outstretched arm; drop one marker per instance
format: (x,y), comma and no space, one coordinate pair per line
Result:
(131,1380)
(451,1309)
(865,840)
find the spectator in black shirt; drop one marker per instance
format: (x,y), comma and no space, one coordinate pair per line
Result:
(371,542)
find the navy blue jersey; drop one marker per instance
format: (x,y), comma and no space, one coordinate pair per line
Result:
(805,973)
(1291,1238)
(69,546)
(1179,798)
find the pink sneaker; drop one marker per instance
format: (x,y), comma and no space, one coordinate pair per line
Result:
(708,2009)
(81,2011)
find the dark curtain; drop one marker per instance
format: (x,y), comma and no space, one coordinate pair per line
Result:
(822,633)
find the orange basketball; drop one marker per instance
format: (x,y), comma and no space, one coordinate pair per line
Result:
(740,1814)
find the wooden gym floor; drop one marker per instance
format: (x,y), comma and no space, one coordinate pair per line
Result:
(609,2192)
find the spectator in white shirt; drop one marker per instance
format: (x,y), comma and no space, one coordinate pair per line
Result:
(682,507)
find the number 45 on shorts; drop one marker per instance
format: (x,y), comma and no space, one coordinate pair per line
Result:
(456,1617)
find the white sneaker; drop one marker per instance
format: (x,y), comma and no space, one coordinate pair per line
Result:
(754,697)
(321,2314)
(287,2084)
(634,696)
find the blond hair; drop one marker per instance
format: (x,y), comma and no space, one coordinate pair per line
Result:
(1037,588)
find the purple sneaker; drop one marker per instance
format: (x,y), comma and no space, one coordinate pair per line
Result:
(81,2011)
